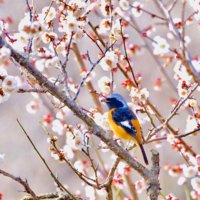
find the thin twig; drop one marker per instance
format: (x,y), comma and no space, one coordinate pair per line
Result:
(44,161)
(29,46)
(84,178)
(153,15)
(96,33)
(89,84)
(64,65)
(89,72)
(51,4)
(126,55)
(87,153)
(22,182)
(30,10)
(176,136)
(174,112)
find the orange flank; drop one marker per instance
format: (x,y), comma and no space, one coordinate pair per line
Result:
(123,134)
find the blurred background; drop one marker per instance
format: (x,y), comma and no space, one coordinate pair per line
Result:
(20,158)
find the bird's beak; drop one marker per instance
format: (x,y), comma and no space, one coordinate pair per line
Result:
(104,100)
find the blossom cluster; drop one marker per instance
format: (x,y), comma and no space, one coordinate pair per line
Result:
(8,83)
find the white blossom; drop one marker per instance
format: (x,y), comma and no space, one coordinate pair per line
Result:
(4,52)
(124,4)
(160,45)
(109,61)
(4,97)
(139,95)
(57,127)
(181,180)
(1,27)
(191,123)
(140,186)
(196,65)
(104,84)
(136,11)
(102,120)
(48,13)
(10,84)
(3,72)
(189,171)
(32,107)
(195,182)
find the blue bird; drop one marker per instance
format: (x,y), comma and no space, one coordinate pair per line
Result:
(124,122)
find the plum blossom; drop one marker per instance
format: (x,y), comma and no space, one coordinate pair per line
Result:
(89,192)
(70,24)
(79,166)
(119,181)
(196,65)
(181,180)
(181,72)
(140,186)
(136,9)
(10,84)
(189,171)
(48,13)
(195,5)
(32,107)
(123,168)
(104,84)
(195,182)
(69,153)
(48,37)
(4,97)
(191,102)
(57,127)
(139,95)
(3,72)
(102,120)
(191,123)
(1,27)
(105,8)
(105,26)
(109,61)
(21,41)
(116,32)
(124,4)
(4,52)
(172,197)
(160,45)
(76,139)
(195,195)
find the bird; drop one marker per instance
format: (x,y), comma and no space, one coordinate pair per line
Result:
(124,122)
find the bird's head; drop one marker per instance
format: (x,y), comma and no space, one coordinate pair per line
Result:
(115,101)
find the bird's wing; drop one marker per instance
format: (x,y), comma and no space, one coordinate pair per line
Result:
(124,118)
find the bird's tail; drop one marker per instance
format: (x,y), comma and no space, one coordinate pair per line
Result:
(144,154)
